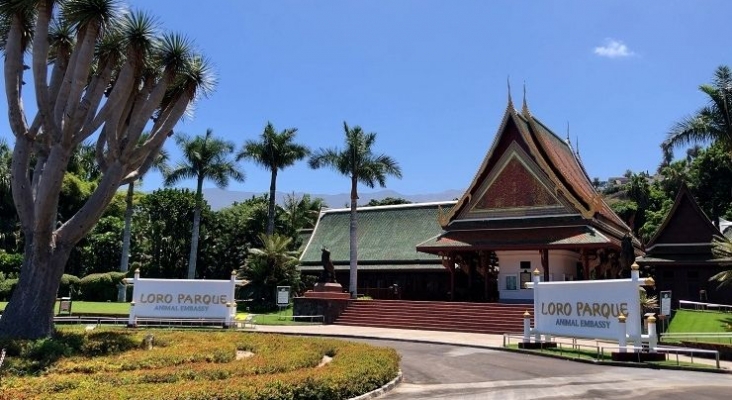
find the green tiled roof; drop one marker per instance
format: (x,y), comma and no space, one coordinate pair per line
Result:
(380,267)
(385,234)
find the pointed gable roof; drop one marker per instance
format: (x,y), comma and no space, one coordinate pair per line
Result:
(685,225)
(530,172)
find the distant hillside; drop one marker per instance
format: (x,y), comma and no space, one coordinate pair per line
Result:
(219,199)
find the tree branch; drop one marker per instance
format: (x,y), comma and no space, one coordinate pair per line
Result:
(14,78)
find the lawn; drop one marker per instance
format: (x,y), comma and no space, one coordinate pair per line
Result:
(91,307)
(691,321)
(700,321)
(102,308)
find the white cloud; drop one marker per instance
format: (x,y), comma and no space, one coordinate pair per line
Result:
(613,49)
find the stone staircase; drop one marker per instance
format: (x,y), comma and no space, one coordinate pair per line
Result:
(492,318)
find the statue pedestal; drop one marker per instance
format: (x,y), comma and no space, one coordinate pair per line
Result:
(327,290)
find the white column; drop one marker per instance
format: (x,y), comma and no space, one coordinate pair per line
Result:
(527,327)
(132,321)
(622,339)
(652,336)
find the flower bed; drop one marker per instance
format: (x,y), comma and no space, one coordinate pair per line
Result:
(112,364)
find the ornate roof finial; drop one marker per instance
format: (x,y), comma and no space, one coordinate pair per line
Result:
(576,145)
(568,141)
(510,100)
(525,108)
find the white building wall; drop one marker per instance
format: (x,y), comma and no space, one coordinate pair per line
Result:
(562,266)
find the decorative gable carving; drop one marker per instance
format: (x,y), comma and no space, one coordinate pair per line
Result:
(516,187)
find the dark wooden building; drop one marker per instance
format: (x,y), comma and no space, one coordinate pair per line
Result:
(679,256)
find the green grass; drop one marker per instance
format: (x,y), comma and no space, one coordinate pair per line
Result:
(103,308)
(91,307)
(700,321)
(279,318)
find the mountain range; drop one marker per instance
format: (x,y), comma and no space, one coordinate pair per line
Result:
(218,198)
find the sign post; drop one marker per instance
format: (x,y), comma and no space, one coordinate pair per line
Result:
(666,302)
(283,297)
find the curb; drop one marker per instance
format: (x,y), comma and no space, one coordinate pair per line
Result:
(499,348)
(378,392)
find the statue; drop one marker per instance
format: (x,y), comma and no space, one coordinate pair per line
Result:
(328,275)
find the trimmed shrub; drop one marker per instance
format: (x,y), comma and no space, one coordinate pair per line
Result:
(193,365)
(100,287)
(68,283)
(10,263)
(6,288)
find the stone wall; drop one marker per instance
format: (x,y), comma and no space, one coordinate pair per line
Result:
(330,309)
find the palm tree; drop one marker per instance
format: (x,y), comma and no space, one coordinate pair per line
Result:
(274,151)
(711,123)
(204,158)
(271,265)
(722,248)
(303,211)
(358,162)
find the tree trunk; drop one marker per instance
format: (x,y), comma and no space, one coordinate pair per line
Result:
(353,281)
(29,314)
(124,262)
(271,210)
(196,228)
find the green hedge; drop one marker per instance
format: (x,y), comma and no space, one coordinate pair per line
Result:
(69,283)
(110,364)
(6,288)
(100,287)
(10,264)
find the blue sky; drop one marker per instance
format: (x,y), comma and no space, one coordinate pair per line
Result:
(430,77)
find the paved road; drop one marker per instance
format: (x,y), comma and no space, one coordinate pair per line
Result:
(438,371)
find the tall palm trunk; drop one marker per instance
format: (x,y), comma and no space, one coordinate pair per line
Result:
(196,228)
(271,210)
(353,281)
(125,260)
(34,298)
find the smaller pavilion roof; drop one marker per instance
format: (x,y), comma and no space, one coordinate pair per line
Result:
(387,236)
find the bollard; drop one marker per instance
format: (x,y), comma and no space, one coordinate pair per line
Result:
(622,340)
(132,322)
(527,327)
(652,335)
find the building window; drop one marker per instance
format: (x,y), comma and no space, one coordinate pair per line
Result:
(511,282)
(525,264)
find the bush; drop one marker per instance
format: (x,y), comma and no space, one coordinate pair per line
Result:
(6,288)
(100,287)
(108,364)
(10,264)
(68,283)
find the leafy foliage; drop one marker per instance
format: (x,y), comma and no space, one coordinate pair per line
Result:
(193,365)
(388,201)
(274,151)
(161,230)
(271,265)
(100,287)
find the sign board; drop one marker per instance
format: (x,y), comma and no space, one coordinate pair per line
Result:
(665,302)
(182,298)
(283,295)
(587,309)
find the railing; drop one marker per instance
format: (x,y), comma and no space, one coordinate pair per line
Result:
(683,335)
(697,305)
(575,347)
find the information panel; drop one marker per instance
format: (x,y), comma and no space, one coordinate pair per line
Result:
(587,309)
(666,302)
(283,295)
